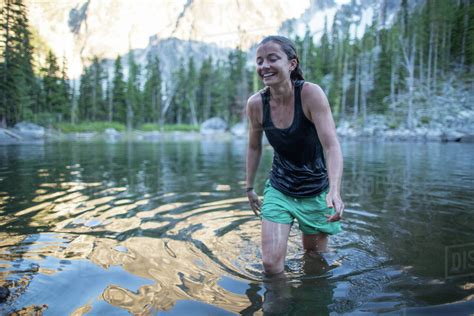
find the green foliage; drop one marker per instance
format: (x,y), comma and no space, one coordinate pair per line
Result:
(87,126)
(149,127)
(152,97)
(360,76)
(17,79)
(425,120)
(119,102)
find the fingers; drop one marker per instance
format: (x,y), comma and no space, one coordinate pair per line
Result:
(329,201)
(255,203)
(338,206)
(334,218)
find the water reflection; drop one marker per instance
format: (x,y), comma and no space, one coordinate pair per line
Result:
(149,227)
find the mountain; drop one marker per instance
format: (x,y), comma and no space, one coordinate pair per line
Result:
(81,29)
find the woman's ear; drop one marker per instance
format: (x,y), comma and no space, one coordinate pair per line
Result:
(293,64)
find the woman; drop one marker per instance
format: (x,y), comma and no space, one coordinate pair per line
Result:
(297,120)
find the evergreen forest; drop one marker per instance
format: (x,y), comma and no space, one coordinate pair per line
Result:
(384,72)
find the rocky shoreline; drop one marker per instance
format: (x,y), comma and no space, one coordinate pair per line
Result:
(29,133)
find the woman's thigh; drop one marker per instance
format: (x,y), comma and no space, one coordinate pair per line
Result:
(274,240)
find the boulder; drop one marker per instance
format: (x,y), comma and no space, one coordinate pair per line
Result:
(451,136)
(434,134)
(29,130)
(467,138)
(239,129)
(4,293)
(111,134)
(213,125)
(8,137)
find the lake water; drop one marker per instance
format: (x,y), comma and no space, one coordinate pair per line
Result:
(165,228)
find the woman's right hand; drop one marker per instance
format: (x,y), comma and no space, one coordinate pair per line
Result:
(254,202)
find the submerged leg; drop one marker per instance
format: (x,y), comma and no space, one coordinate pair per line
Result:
(274,243)
(315,242)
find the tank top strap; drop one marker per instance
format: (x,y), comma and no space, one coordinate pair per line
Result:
(298,105)
(265,93)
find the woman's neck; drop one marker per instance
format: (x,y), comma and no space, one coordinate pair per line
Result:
(282,92)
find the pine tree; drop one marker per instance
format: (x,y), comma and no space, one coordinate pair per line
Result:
(133,94)
(52,88)
(18,83)
(204,92)
(152,91)
(119,106)
(98,110)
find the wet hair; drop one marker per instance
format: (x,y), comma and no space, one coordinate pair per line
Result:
(289,49)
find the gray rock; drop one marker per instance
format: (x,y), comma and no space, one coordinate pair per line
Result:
(213,125)
(434,134)
(29,130)
(451,136)
(8,137)
(239,129)
(112,135)
(111,132)
(4,293)
(344,129)
(467,138)
(368,131)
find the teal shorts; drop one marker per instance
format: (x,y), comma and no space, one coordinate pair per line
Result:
(310,212)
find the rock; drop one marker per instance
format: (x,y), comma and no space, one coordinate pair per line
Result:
(344,129)
(111,134)
(29,130)
(213,125)
(84,135)
(239,129)
(8,137)
(368,131)
(4,293)
(434,134)
(451,136)
(467,138)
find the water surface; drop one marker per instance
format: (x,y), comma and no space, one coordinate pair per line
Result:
(165,228)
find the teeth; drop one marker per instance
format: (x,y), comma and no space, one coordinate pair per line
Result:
(267,75)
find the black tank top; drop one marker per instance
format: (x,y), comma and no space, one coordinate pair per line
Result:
(298,168)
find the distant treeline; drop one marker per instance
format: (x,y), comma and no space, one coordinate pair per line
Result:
(360,76)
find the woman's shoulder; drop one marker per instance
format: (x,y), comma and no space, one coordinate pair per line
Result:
(313,96)
(311,88)
(255,100)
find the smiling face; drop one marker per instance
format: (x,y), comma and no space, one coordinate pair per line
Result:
(273,65)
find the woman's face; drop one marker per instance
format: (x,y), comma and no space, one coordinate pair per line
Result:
(273,65)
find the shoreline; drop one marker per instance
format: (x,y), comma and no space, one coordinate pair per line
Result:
(52,136)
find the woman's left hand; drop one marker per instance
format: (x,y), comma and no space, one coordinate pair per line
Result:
(333,200)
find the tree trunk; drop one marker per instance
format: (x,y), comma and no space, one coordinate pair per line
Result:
(345,86)
(430,58)
(464,33)
(435,62)
(356,90)
(409,58)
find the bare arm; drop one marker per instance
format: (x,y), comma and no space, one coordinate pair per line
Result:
(318,109)
(254,149)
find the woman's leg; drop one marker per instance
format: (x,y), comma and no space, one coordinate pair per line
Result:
(315,242)
(274,243)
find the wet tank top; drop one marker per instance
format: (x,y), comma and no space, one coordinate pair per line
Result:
(298,168)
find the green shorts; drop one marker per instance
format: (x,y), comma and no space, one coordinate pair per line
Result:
(310,212)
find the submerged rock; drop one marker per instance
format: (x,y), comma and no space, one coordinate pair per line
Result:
(4,293)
